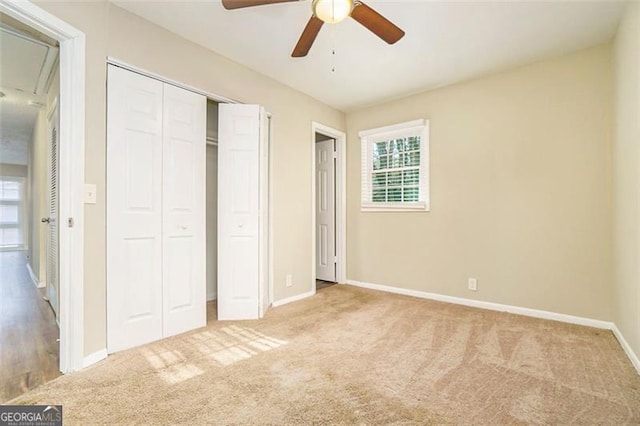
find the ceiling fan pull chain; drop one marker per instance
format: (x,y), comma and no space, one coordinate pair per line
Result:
(333,57)
(333,49)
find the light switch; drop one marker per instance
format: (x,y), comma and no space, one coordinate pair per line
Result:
(89,193)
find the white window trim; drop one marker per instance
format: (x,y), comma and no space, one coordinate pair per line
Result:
(368,138)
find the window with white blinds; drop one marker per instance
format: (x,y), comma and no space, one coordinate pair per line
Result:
(11,213)
(395,167)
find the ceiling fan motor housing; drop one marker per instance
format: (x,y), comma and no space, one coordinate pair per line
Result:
(332,11)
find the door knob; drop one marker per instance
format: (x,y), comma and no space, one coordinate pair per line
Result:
(45,220)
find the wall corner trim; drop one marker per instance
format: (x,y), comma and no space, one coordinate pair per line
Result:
(633,357)
(94,357)
(293,299)
(34,279)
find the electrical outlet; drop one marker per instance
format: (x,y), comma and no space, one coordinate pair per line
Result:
(288,280)
(473,284)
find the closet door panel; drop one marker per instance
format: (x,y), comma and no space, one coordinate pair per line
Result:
(184,179)
(239,212)
(134,209)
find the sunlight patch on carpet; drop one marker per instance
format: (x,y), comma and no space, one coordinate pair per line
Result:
(171,365)
(232,344)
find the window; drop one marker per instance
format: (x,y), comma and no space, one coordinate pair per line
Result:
(395,167)
(11,213)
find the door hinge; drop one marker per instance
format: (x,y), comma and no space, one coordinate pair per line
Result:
(335,259)
(335,154)
(70,222)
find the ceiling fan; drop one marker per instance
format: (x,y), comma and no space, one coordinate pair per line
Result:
(331,12)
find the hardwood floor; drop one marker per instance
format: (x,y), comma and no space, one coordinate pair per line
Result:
(323,284)
(29,354)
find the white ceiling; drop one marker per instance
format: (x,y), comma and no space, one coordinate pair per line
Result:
(25,67)
(445,42)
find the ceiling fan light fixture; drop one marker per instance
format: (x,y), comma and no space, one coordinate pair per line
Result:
(332,11)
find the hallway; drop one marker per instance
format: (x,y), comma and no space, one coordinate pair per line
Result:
(28,332)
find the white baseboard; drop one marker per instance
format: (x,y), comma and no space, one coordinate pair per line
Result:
(211,297)
(293,298)
(627,348)
(34,279)
(94,357)
(535,313)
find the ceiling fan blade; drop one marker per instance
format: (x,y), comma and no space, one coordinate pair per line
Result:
(376,23)
(307,37)
(239,4)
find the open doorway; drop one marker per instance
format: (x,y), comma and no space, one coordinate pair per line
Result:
(328,206)
(29,290)
(326,257)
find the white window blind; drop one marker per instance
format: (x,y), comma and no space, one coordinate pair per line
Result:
(11,213)
(395,167)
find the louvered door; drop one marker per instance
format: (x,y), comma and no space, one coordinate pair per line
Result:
(52,219)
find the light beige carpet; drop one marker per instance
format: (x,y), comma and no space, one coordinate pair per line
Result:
(349,356)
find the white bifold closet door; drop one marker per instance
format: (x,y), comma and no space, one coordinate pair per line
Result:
(155,210)
(183,214)
(242,212)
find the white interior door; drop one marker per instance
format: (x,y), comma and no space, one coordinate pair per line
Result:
(184,178)
(134,209)
(325,211)
(51,265)
(239,211)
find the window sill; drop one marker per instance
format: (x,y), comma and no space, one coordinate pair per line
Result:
(390,207)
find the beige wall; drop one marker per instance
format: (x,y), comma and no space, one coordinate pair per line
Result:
(626,177)
(520,191)
(111,31)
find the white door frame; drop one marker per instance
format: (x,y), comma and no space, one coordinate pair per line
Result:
(71,173)
(341,200)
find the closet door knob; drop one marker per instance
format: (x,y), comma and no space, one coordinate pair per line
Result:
(183,227)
